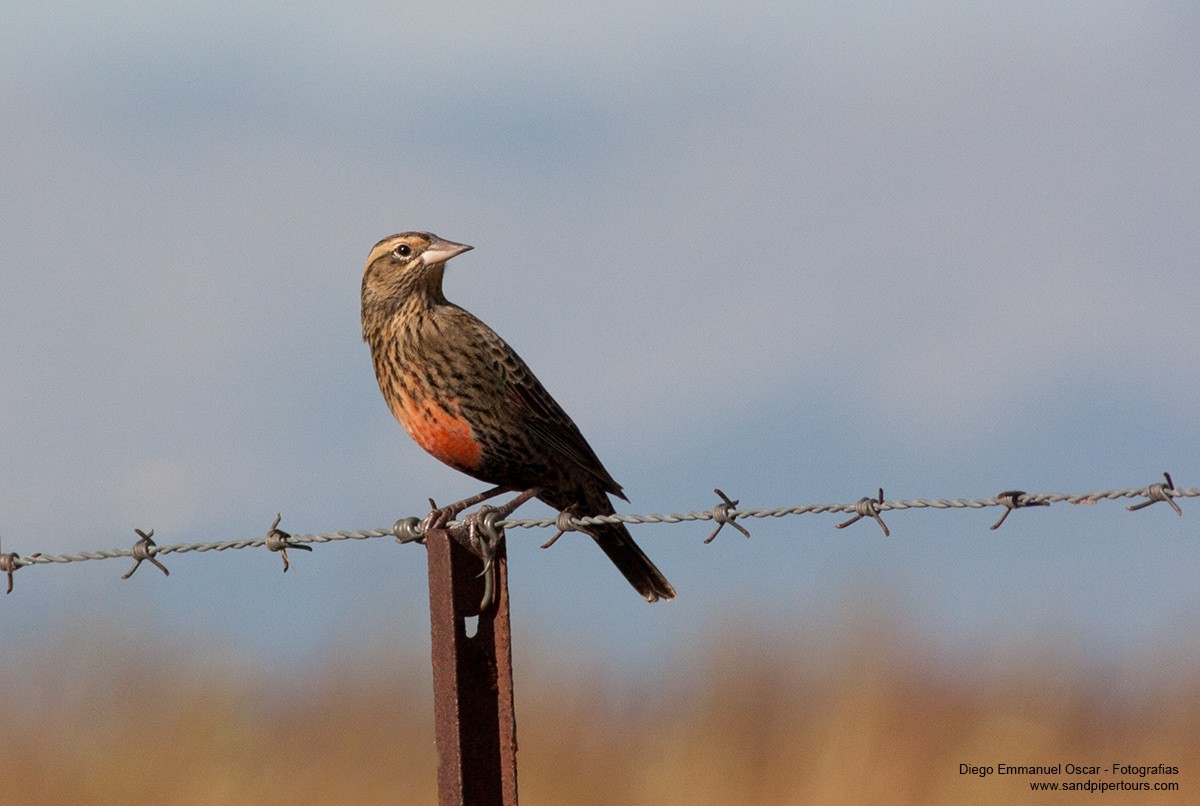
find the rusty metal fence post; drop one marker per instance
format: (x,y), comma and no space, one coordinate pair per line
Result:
(476,727)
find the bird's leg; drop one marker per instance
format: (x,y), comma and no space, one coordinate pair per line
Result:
(512,505)
(440,516)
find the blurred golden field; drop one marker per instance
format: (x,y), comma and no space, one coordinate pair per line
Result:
(873,718)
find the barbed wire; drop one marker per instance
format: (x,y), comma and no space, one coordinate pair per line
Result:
(727,512)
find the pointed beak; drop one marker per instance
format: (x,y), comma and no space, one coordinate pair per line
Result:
(441,250)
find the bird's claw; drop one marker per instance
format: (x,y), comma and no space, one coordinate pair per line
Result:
(439,517)
(484,536)
(479,531)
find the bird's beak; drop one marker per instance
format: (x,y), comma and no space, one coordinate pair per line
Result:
(441,250)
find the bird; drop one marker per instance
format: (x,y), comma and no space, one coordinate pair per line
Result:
(466,397)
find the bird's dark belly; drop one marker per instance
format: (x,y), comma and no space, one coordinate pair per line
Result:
(510,463)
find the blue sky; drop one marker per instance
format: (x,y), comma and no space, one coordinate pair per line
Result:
(793,253)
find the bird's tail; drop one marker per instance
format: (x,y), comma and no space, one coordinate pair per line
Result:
(631,561)
(614,539)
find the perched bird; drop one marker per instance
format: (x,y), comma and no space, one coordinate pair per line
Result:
(468,399)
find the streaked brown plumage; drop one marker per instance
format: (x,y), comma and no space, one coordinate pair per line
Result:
(468,399)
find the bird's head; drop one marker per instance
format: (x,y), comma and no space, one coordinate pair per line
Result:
(407,265)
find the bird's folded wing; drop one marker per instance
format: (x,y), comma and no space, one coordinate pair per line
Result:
(548,422)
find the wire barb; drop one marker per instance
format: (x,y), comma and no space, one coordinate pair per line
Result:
(145,549)
(1159,492)
(1015,499)
(564,522)
(724,513)
(868,507)
(484,532)
(280,541)
(483,537)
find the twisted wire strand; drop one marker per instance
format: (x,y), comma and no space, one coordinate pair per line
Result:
(1027,499)
(180,548)
(807,509)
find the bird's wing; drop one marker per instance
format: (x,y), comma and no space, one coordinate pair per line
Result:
(547,420)
(541,413)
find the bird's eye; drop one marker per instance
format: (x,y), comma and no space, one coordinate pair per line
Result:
(403,250)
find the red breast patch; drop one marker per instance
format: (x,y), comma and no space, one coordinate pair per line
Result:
(440,431)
